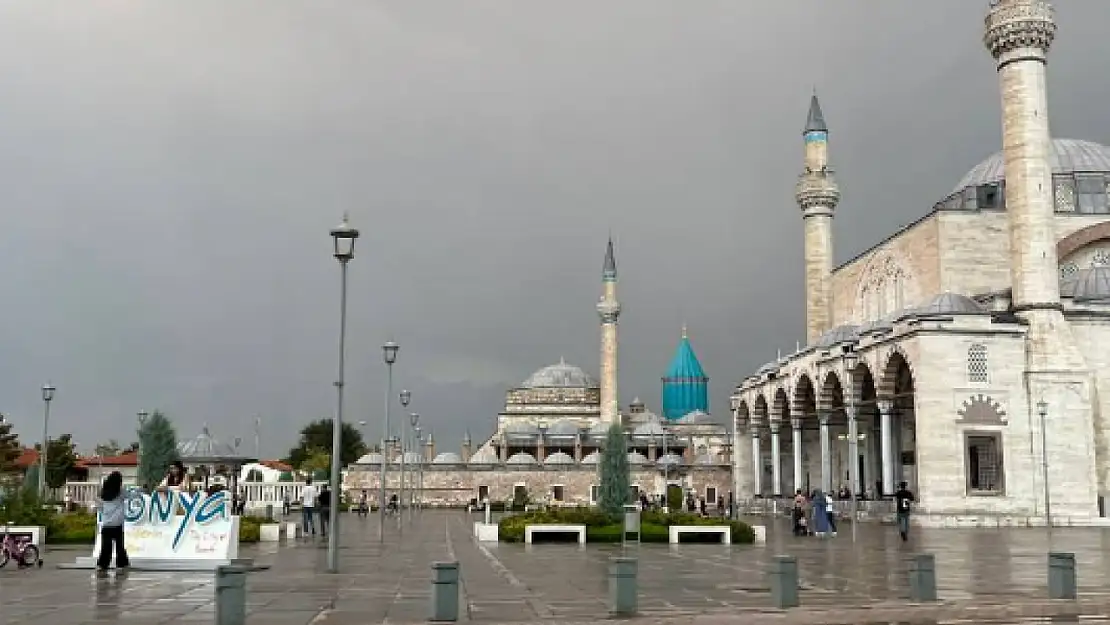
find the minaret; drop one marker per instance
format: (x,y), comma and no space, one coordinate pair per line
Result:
(609,309)
(817,194)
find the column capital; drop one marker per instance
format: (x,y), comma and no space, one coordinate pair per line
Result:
(886,406)
(753,429)
(824,416)
(796,423)
(775,425)
(851,411)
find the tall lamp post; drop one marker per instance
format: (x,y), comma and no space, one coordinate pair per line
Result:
(389,356)
(405,397)
(141,416)
(413,420)
(343,238)
(850,361)
(47,396)
(1042,412)
(419,443)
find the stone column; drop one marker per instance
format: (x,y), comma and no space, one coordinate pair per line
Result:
(886,443)
(652,450)
(826,452)
(504,449)
(757,460)
(578,448)
(853,448)
(776,461)
(796,431)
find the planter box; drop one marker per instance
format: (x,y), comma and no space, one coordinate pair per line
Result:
(760,534)
(269,533)
(291,529)
(486,532)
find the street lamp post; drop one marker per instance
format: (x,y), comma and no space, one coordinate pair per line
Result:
(850,361)
(343,237)
(413,420)
(419,443)
(389,356)
(405,397)
(47,396)
(141,416)
(1042,412)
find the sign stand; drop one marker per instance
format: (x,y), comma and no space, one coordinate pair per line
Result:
(631,523)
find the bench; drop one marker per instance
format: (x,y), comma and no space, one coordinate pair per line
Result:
(723,530)
(555,529)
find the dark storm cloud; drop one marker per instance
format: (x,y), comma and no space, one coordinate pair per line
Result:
(170,171)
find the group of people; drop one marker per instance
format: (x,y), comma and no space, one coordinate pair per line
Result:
(315,503)
(112,505)
(815,514)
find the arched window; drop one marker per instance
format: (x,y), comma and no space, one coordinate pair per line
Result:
(977,371)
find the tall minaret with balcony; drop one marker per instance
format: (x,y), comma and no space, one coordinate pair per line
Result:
(609,310)
(817,194)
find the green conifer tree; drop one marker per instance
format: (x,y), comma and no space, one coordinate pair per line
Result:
(615,483)
(10,449)
(158,448)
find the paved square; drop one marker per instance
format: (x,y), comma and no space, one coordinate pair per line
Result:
(567,583)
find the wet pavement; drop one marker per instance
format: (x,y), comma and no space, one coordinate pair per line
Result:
(995,576)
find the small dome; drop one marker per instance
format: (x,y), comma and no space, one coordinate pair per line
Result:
(563,428)
(669,460)
(559,375)
(411,457)
(648,430)
(521,457)
(696,417)
(591,458)
(637,458)
(599,430)
(484,456)
(559,458)
(447,457)
(948,304)
(206,448)
(1065,156)
(521,430)
(1086,285)
(371,458)
(846,333)
(881,324)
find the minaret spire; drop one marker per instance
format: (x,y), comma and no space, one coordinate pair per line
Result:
(609,309)
(817,194)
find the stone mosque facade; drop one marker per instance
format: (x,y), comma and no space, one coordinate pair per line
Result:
(547,440)
(968,353)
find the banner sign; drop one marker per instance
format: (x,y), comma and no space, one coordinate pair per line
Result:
(178,526)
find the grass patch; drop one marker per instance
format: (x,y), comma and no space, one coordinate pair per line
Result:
(601,528)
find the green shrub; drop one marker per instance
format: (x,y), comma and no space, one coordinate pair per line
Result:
(602,528)
(250,529)
(72,529)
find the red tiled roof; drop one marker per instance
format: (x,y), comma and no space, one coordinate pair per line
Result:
(276,465)
(129,459)
(29,457)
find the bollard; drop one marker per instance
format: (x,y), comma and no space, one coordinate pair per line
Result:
(269,512)
(623,595)
(231,595)
(923,578)
(445,592)
(1061,575)
(784,582)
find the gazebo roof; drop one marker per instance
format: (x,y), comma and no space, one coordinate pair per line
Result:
(207,449)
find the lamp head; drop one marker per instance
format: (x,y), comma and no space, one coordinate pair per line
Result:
(851,359)
(143,414)
(414,419)
(1042,408)
(389,352)
(406,397)
(343,236)
(48,391)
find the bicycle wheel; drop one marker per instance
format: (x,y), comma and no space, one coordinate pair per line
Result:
(30,555)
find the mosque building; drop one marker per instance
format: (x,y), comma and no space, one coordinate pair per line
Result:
(547,440)
(968,353)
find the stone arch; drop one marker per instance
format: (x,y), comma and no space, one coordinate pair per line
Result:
(863,382)
(759,415)
(1081,238)
(780,408)
(804,397)
(832,392)
(897,376)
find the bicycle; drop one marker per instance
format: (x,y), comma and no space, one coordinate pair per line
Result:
(24,553)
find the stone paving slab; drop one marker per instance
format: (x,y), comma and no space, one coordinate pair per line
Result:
(983,576)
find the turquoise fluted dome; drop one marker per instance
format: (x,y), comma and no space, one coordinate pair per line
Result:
(685,386)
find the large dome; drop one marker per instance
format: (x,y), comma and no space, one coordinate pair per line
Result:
(1067,156)
(559,375)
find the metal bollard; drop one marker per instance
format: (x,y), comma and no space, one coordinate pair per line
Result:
(445,592)
(231,595)
(1061,575)
(923,578)
(784,582)
(623,595)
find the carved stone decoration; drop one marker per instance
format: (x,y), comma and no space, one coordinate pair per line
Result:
(982,410)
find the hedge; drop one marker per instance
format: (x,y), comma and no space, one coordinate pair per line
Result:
(601,528)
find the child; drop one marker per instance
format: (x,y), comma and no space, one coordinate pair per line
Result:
(111,505)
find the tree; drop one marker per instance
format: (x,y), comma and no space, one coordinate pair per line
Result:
(316,461)
(614,488)
(159,449)
(61,458)
(317,436)
(10,449)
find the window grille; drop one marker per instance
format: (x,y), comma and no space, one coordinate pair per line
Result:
(977,371)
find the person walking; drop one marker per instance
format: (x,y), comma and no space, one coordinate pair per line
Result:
(308,507)
(112,505)
(822,514)
(323,504)
(902,500)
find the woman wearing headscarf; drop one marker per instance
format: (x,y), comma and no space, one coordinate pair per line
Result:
(820,513)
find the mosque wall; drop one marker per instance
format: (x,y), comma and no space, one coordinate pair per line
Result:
(1093,334)
(974,252)
(898,273)
(446,486)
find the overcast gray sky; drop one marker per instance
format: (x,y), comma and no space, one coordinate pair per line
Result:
(170,170)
